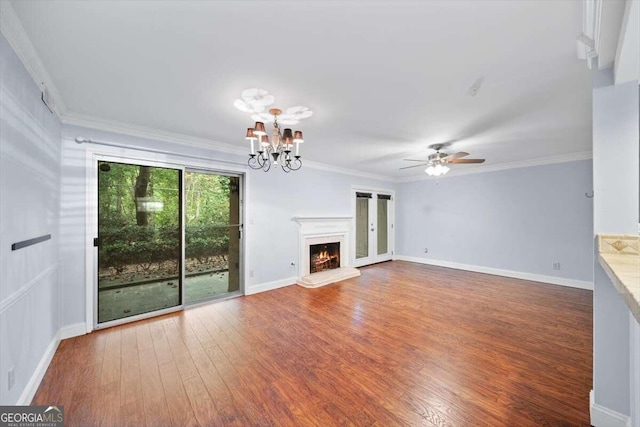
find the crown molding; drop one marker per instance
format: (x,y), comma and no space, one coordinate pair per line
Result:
(93,122)
(347,171)
(593,20)
(97,123)
(12,29)
(540,161)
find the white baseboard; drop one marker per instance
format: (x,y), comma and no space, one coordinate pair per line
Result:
(499,272)
(263,287)
(65,332)
(605,417)
(71,331)
(34,382)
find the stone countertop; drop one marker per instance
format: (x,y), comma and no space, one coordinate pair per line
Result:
(619,255)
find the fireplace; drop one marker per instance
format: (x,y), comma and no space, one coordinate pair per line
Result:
(325,252)
(323,257)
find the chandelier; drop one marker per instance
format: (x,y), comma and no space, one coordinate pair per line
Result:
(276,151)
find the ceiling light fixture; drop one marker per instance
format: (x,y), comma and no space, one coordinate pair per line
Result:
(437,163)
(437,168)
(276,151)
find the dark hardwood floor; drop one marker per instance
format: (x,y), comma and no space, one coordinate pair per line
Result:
(404,344)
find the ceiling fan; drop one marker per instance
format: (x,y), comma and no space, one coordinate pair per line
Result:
(437,162)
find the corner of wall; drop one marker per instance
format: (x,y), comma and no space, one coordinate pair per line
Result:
(601,416)
(29,391)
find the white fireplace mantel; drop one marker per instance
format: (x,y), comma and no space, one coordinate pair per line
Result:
(320,225)
(315,230)
(301,219)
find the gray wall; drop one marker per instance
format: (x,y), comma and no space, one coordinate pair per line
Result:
(615,178)
(29,207)
(273,199)
(518,219)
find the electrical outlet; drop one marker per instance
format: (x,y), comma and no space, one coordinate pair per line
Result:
(426,251)
(11,378)
(250,273)
(556,265)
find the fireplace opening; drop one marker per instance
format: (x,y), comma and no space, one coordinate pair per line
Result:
(325,256)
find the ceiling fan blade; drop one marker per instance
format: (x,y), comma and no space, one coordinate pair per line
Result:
(414,160)
(466,161)
(456,155)
(414,166)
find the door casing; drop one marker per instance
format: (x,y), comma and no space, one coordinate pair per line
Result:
(373,256)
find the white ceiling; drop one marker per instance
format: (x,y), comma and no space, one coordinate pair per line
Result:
(384,78)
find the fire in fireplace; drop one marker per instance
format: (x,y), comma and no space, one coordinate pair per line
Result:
(325,256)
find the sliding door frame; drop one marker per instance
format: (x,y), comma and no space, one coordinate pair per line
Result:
(241,224)
(373,256)
(138,156)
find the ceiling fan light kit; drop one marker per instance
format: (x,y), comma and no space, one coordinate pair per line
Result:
(437,170)
(437,163)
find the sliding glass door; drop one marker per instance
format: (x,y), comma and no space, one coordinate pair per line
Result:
(373,227)
(212,235)
(166,237)
(139,240)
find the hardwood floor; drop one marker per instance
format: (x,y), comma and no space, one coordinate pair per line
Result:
(403,344)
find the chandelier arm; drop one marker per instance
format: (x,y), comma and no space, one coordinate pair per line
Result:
(296,164)
(265,156)
(253,162)
(266,161)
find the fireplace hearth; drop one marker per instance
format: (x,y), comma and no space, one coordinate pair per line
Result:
(325,256)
